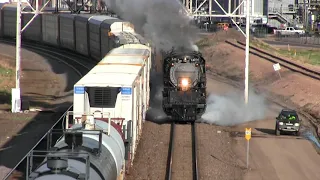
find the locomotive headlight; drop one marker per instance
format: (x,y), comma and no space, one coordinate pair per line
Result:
(184,82)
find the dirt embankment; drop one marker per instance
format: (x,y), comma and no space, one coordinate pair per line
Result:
(291,88)
(45,85)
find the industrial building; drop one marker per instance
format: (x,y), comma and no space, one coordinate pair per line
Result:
(274,13)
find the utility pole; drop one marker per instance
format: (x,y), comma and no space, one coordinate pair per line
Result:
(16,94)
(305,13)
(246,90)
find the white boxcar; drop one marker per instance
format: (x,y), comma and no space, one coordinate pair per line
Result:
(67,31)
(82,36)
(147,71)
(109,26)
(116,88)
(50,29)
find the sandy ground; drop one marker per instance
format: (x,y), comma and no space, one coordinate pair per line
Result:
(281,158)
(222,150)
(44,84)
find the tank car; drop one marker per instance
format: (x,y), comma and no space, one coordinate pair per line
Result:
(93,149)
(184,80)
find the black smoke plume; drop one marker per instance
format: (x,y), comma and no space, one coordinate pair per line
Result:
(160,21)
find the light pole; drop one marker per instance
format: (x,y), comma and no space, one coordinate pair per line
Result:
(16,92)
(246,91)
(16,96)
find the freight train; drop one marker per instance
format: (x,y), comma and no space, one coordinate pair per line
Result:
(101,134)
(91,35)
(184,79)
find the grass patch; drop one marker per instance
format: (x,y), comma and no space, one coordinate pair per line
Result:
(7,72)
(262,45)
(206,42)
(310,56)
(7,80)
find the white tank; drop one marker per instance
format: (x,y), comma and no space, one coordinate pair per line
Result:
(108,165)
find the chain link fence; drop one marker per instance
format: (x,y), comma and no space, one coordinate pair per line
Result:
(260,32)
(313,39)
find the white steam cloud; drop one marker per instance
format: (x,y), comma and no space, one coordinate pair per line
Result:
(160,21)
(230,109)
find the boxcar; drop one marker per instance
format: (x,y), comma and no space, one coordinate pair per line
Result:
(95,39)
(50,29)
(82,35)
(119,95)
(1,18)
(67,31)
(9,12)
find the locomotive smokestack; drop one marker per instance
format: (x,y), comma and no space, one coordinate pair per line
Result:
(195,47)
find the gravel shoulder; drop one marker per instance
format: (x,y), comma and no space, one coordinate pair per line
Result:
(150,161)
(45,85)
(282,157)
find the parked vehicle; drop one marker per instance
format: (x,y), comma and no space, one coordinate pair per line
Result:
(289,31)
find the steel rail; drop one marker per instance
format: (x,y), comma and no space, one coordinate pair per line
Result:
(283,62)
(46,49)
(170,150)
(61,57)
(194,152)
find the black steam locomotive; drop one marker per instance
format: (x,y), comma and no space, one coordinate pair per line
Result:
(184,80)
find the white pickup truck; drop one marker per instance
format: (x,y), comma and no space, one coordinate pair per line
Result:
(288,31)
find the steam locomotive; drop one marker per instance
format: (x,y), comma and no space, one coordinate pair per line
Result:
(184,80)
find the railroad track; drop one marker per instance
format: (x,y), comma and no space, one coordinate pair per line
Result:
(171,150)
(80,64)
(77,62)
(293,66)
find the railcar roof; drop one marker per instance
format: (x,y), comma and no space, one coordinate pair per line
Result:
(69,16)
(119,67)
(127,37)
(108,22)
(99,19)
(105,79)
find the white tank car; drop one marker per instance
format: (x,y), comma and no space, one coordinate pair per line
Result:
(93,150)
